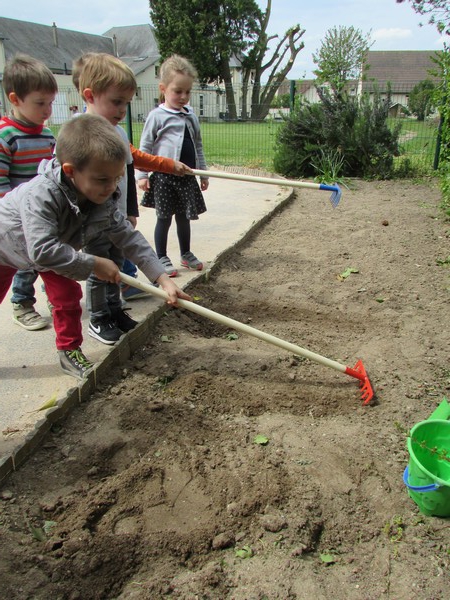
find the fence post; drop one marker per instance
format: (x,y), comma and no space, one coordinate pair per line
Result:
(437,152)
(292,95)
(129,123)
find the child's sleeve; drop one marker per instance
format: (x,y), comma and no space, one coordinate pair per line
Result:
(149,162)
(5,162)
(147,141)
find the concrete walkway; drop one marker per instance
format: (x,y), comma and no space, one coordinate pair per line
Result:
(30,375)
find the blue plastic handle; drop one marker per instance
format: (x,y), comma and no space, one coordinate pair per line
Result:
(419,488)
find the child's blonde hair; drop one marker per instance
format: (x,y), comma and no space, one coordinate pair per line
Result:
(89,137)
(24,74)
(100,71)
(171,66)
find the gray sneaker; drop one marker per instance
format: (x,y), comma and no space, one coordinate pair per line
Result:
(74,363)
(168,266)
(28,318)
(190,261)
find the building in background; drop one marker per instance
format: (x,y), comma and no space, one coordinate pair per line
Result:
(135,45)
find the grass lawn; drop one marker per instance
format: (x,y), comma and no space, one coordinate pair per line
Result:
(245,144)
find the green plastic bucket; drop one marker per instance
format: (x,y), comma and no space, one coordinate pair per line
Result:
(427,475)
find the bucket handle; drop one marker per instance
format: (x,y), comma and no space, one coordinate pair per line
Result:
(419,488)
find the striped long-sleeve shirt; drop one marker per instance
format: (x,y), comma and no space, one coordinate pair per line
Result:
(21,150)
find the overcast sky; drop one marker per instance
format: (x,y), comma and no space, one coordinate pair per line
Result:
(393,26)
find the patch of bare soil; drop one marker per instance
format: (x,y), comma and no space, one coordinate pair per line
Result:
(155,488)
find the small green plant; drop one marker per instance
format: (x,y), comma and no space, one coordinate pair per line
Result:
(244,552)
(261,440)
(231,337)
(401,428)
(327,558)
(42,533)
(328,165)
(394,529)
(163,381)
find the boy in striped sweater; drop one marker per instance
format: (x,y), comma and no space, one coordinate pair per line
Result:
(24,141)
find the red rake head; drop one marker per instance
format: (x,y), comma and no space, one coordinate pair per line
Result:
(359,372)
(364,384)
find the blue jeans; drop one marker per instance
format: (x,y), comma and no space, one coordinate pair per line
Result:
(129,268)
(23,287)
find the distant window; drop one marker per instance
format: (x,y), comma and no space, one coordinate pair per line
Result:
(202,105)
(157,71)
(138,92)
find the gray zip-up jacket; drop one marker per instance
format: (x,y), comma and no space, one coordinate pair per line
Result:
(163,135)
(43,227)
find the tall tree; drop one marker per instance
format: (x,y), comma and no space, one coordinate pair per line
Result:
(212,32)
(438,12)
(341,57)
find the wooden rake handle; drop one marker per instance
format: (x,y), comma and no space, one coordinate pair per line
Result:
(358,371)
(238,326)
(335,189)
(269,180)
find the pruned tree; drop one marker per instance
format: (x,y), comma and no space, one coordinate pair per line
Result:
(212,32)
(277,62)
(438,12)
(341,57)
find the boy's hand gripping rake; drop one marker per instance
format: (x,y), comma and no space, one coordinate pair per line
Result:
(335,189)
(358,371)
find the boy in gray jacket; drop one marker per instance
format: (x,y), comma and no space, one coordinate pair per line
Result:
(45,223)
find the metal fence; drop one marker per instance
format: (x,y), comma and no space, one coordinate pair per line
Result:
(248,143)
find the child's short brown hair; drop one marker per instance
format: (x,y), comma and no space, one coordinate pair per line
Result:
(24,74)
(100,71)
(89,137)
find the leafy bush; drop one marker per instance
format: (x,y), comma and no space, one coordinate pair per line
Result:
(420,101)
(282,101)
(442,101)
(355,128)
(444,173)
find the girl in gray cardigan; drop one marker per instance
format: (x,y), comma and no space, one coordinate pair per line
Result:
(173,130)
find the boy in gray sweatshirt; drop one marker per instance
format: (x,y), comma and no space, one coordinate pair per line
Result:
(46,222)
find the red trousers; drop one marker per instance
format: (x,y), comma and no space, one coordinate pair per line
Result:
(64,295)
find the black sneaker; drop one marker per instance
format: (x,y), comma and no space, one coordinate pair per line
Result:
(123,320)
(74,363)
(105,331)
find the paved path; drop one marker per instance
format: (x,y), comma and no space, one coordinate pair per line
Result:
(29,367)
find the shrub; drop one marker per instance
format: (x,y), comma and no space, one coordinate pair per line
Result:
(355,128)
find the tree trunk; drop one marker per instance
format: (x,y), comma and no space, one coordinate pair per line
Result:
(231,111)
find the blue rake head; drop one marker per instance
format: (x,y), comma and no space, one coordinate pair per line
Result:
(335,197)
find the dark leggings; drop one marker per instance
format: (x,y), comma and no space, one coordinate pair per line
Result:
(183,232)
